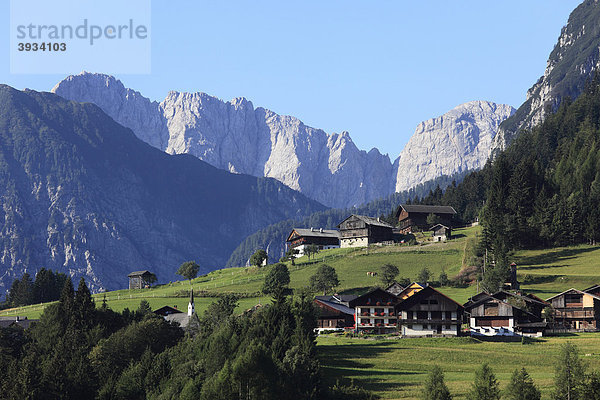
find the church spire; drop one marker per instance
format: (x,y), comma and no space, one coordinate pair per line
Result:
(191,307)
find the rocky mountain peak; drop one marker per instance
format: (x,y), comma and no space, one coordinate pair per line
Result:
(572,62)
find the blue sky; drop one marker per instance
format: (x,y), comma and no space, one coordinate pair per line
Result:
(375,69)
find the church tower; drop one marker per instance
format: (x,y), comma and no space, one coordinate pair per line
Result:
(191,308)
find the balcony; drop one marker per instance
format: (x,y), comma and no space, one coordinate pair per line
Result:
(429,321)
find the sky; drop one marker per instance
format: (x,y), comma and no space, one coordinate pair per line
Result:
(375,69)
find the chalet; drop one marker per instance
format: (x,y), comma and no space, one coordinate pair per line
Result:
(576,310)
(140,279)
(428,312)
(324,239)
(361,231)
(441,233)
(375,311)
(595,290)
(505,314)
(334,312)
(412,218)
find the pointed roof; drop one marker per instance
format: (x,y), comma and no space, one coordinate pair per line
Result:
(426,291)
(576,291)
(367,295)
(323,233)
(368,221)
(420,208)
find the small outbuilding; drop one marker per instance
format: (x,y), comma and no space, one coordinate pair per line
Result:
(441,233)
(140,279)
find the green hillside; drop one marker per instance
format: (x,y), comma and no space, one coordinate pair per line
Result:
(543,272)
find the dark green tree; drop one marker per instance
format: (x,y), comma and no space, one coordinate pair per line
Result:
(310,250)
(444,281)
(259,258)
(521,387)
(324,279)
(485,386)
(389,273)
(277,279)
(434,387)
(569,375)
(188,270)
(424,275)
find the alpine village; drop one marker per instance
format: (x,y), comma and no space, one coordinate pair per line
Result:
(141,259)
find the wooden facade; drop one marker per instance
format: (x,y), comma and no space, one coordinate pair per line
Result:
(576,310)
(428,312)
(334,312)
(361,231)
(140,279)
(413,218)
(505,314)
(322,238)
(441,233)
(375,311)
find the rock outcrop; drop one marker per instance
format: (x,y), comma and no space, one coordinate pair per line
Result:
(573,61)
(455,142)
(329,168)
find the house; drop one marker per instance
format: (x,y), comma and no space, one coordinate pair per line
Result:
(412,217)
(183,319)
(595,290)
(16,322)
(428,312)
(505,314)
(395,289)
(141,279)
(576,310)
(361,231)
(334,312)
(324,239)
(167,310)
(375,312)
(441,233)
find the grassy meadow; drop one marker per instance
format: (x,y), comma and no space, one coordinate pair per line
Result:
(396,368)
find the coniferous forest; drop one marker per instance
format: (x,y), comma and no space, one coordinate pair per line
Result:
(80,351)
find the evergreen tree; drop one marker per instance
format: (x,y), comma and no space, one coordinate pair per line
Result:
(521,387)
(277,279)
(569,374)
(435,388)
(485,386)
(389,273)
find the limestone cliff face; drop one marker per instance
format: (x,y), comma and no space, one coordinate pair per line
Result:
(241,138)
(574,60)
(452,143)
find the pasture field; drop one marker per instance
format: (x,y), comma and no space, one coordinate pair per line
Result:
(396,368)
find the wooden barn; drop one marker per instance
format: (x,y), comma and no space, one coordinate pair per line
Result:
(505,314)
(413,217)
(361,231)
(140,279)
(576,310)
(334,312)
(441,233)
(428,312)
(375,311)
(324,239)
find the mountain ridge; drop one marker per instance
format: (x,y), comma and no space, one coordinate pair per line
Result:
(240,138)
(81,194)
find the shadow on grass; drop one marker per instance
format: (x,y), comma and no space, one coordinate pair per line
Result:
(534,262)
(458,235)
(346,362)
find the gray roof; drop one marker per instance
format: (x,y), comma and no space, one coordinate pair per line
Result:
(337,298)
(418,208)
(337,306)
(22,322)
(329,233)
(576,291)
(181,318)
(369,221)
(139,273)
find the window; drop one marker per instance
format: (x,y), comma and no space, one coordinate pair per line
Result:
(447,326)
(433,301)
(422,315)
(409,315)
(573,298)
(448,314)
(409,326)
